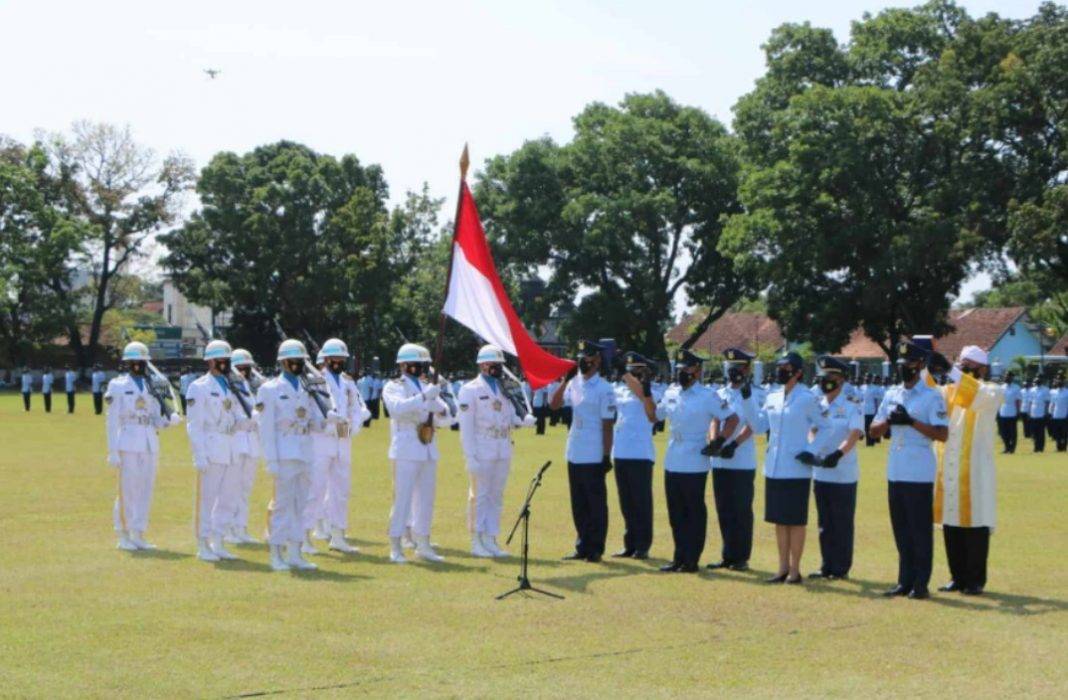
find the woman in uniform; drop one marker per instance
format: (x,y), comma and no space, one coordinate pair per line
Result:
(633,454)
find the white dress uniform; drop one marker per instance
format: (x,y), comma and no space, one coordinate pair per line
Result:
(409,402)
(286,412)
(133,422)
(486,420)
(212,414)
(247,454)
(331,475)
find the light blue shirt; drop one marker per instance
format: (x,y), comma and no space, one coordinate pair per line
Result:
(592,402)
(844,415)
(745,456)
(1058,399)
(871,399)
(1012,395)
(541,398)
(1039,399)
(98,378)
(70,378)
(912,456)
(690,412)
(46,382)
(27,382)
(633,431)
(789,418)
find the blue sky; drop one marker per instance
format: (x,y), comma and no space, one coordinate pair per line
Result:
(401,84)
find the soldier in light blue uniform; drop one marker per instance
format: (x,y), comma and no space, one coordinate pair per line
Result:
(634,454)
(1009,413)
(48,378)
(837,472)
(734,471)
(691,407)
(27,387)
(789,413)
(918,414)
(70,385)
(589,449)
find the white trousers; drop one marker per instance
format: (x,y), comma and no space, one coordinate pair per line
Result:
(315,507)
(485,499)
(414,485)
(137,478)
(218,490)
(338,489)
(285,512)
(245,465)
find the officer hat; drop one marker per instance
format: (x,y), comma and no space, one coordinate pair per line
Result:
(909,351)
(737,355)
(792,359)
(827,363)
(588,348)
(685,358)
(634,358)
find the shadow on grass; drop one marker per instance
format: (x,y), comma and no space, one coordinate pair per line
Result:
(166,554)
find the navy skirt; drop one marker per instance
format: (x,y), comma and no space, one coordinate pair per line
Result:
(786,501)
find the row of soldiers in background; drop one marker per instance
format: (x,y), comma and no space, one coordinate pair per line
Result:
(70,379)
(301,423)
(811,438)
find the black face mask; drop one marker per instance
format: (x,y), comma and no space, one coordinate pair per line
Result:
(245,370)
(735,374)
(828,384)
(138,368)
(972,371)
(908,373)
(223,366)
(416,369)
(495,371)
(294,366)
(684,377)
(336,366)
(783,375)
(585,364)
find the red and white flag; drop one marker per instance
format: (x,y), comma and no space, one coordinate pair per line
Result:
(477,299)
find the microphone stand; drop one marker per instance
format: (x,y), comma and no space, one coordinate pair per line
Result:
(524,518)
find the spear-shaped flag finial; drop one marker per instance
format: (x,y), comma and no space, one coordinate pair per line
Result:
(465,161)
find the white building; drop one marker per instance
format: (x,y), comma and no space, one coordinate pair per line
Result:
(198,323)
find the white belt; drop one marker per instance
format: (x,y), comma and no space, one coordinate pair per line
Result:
(498,433)
(140,420)
(293,428)
(221,431)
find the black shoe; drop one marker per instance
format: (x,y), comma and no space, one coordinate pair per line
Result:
(640,554)
(573,556)
(689,568)
(671,568)
(972,590)
(718,565)
(919,594)
(740,566)
(623,553)
(818,574)
(794,580)
(593,558)
(776,579)
(837,577)
(897,590)
(949,587)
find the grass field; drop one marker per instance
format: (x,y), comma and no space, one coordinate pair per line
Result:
(80,618)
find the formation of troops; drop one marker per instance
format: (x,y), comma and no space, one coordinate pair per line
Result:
(940,418)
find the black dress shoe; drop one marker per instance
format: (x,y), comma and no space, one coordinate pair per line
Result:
(949,587)
(740,566)
(640,554)
(689,568)
(776,579)
(794,579)
(572,556)
(837,577)
(718,565)
(671,568)
(919,594)
(623,553)
(818,574)
(593,558)
(897,590)
(972,590)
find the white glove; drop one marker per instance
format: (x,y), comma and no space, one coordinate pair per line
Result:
(529,420)
(113,459)
(175,419)
(432,392)
(272,467)
(333,416)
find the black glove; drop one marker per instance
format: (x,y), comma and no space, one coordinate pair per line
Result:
(900,416)
(606,464)
(713,448)
(937,364)
(831,460)
(747,390)
(728,450)
(647,388)
(806,458)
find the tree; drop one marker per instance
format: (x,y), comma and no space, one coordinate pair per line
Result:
(1044,301)
(624,216)
(37,239)
(116,189)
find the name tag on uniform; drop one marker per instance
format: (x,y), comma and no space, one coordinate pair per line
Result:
(283,396)
(214,393)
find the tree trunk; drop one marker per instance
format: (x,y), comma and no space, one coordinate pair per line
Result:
(711,317)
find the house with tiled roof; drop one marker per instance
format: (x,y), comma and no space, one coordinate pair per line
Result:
(752,332)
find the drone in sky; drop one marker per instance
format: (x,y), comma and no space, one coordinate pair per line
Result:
(212,73)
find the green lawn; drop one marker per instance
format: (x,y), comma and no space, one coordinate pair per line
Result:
(78,617)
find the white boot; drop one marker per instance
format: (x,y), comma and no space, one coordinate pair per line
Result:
(204,552)
(231,536)
(220,549)
(426,551)
(396,551)
(124,542)
(137,538)
(243,536)
(407,541)
(321,531)
(495,549)
(295,560)
(278,563)
(307,547)
(477,548)
(338,543)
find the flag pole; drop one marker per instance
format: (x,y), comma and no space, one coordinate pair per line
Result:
(465,161)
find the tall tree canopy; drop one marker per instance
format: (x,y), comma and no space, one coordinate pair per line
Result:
(623,217)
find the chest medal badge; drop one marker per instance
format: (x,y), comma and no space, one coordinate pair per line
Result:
(139,404)
(301,412)
(497,405)
(227,403)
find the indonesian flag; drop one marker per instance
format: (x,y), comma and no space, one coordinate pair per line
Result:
(477,299)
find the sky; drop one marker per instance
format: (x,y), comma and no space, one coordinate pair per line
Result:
(401,84)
